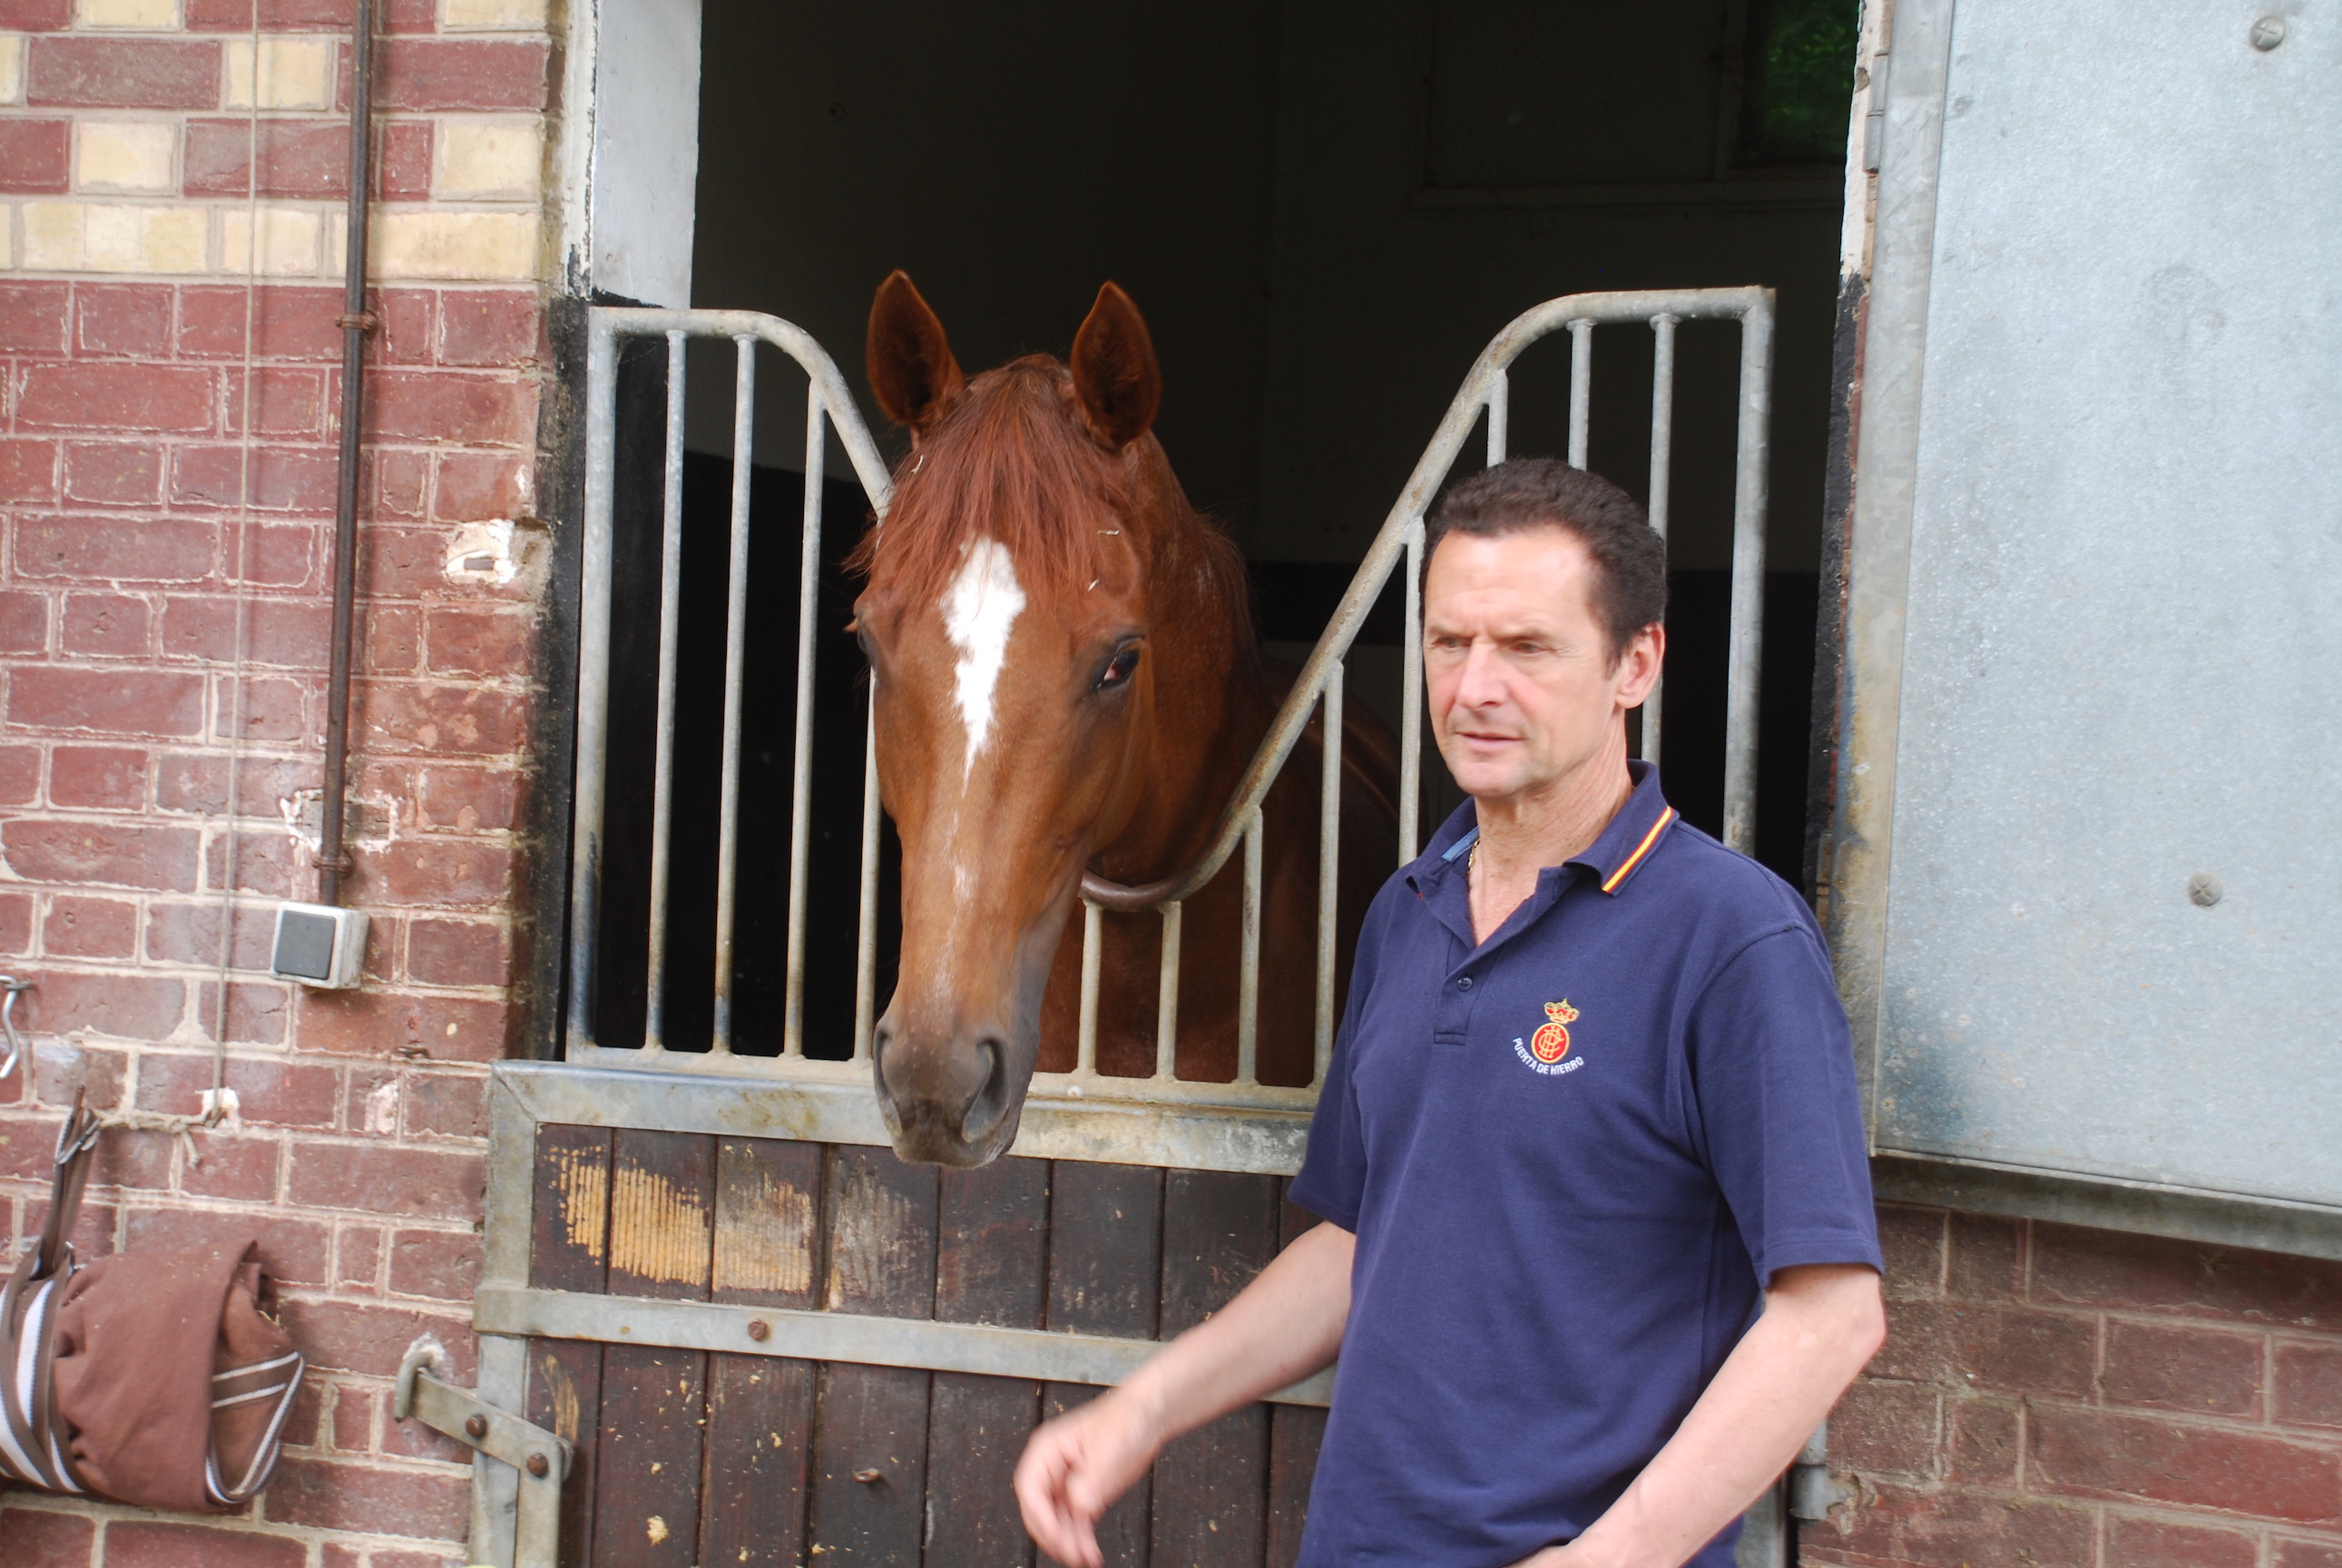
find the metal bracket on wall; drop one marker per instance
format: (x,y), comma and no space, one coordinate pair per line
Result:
(541,1458)
(1812,1490)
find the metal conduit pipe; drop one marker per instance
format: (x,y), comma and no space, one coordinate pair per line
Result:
(355,322)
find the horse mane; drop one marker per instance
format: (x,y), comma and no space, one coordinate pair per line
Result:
(1015,458)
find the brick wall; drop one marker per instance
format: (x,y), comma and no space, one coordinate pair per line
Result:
(162,479)
(2055,1397)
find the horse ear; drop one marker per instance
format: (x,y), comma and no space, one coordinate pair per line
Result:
(1114,372)
(911,366)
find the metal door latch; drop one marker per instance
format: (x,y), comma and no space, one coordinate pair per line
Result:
(541,1457)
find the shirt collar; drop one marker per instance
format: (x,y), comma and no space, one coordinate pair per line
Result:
(1615,855)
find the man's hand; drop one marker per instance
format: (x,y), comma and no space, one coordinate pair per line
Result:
(1077,1465)
(1285,1325)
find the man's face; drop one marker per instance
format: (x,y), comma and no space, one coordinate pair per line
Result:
(1523,689)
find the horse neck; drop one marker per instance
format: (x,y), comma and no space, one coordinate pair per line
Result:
(1208,710)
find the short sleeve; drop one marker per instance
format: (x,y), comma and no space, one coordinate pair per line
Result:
(1775,1108)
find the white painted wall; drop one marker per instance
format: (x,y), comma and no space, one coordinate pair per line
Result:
(630,149)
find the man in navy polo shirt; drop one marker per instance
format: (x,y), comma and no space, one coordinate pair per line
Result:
(1600,1249)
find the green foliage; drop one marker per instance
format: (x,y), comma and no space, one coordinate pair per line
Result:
(1799,81)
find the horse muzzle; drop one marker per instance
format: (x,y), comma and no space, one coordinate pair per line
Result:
(951,1099)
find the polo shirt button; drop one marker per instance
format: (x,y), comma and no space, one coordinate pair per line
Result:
(1465,984)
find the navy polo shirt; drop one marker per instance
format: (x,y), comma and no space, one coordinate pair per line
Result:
(1572,1155)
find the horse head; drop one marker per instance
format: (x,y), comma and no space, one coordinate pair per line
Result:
(1018,619)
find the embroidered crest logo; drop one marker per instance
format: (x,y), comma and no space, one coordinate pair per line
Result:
(1551,1041)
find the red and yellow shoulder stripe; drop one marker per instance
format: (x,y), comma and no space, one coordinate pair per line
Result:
(1627,866)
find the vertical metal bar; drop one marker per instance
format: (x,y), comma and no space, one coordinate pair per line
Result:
(1500,416)
(1093,955)
(1248,965)
(1167,998)
(1410,686)
(736,643)
(593,679)
(801,779)
(1745,671)
(1581,388)
(1330,861)
(1662,448)
(670,628)
(866,940)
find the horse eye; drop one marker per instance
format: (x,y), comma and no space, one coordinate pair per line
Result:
(1118,672)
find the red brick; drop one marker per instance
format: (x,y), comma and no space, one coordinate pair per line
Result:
(447,1105)
(293,1248)
(403,162)
(16,923)
(393,639)
(410,320)
(2158,1544)
(113,624)
(444,406)
(293,321)
(384,1179)
(132,318)
(461,73)
(443,873)
(328,1495)
(272,16)
(35,16)
(82,927)
(156,550)
(123,73)
(2307,1554)
(136,1544)
(100,855)
(304,1428)
(403,563)
(2013,1348)
(113,473)
(259,1013)
(114,397)
(401,476)
(1987,1440)
(395,716)
(480,486)
(1957,1529)
(266,710)
(28,471)
(2092,1453)
(410,1439)
(190,934)
(23,623)
(2308,1391)
(440,1265)
(489,327)
(470,800)
(376,1024)
(1986,1257)
(126,1006)
(283,402)
(94,1226)
(139,1161)
(33,317)
(267,864)
(481,641)
(2201,1371)
(299,159)
(269,1093)
(283,478)
(357,1257)
(369,1337)
(353,1410)
(458,952)
(1884,1428)
(200,783)
(63,1070)
(35,156)
(284,557)
(234,1165)
(104,778)
(291,633)
(107,702)
(2152,1273)
(35,1537)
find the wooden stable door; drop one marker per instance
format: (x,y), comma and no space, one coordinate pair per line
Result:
(694,1457)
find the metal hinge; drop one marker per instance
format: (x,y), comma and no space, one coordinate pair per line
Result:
(1812,1490)
(541,1458)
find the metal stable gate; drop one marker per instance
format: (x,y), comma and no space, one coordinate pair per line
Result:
(765,1339)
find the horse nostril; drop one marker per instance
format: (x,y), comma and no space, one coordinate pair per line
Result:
(880,1039)
(990,1102)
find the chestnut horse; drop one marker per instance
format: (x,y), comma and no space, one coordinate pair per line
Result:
(1066,678)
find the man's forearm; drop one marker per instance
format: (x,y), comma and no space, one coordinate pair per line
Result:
(1285,1325)
(1820,1326)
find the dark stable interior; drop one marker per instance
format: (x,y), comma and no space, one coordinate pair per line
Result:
(1325,212)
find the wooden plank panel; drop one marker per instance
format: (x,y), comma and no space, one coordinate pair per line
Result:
(759,1408)
(1294,1432)
(870,1443)
(569,1234)
(654,1400)
(1106,1232)
(1211,1486)
(991,1257)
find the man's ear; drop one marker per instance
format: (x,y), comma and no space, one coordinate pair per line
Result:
(911,366)
(1114,370)
(1640,664)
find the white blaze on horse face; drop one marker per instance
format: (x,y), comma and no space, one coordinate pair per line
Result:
(980,609)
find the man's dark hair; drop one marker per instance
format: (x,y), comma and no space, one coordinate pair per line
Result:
(1630,561)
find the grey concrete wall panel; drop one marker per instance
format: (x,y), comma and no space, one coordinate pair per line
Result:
(2111,932)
